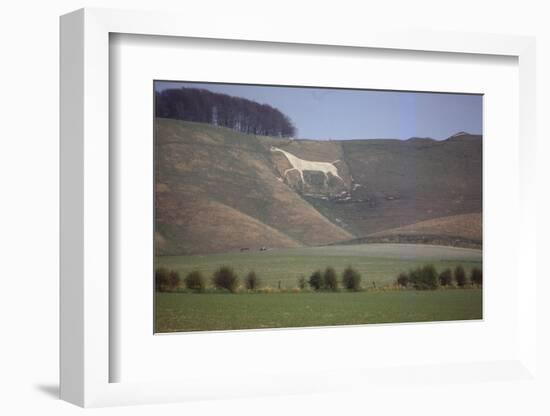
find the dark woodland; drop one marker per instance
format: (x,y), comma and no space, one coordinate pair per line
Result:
(239,114)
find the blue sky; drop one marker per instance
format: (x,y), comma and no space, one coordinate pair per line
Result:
(323,113)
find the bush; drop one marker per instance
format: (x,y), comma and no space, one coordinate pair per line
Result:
(166,280)
(161,279)
(316,280)
(330,279)
(173,280)
(302,282)
(460,276)
(351,279)
(194,281)
(225,278)
(476,276)
(424,278)
(403,279)
(446,277)
(251,281)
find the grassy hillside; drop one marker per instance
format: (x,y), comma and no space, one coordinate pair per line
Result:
(219,191)
(398,183)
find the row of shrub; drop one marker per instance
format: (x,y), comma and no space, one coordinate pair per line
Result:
(328,280)
(223,278)
(427,278)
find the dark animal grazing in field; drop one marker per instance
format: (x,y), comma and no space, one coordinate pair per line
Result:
(263,248)
(244,249)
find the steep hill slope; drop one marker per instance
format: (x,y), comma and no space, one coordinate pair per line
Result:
(218,190)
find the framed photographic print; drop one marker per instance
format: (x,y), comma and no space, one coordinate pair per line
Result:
(338,206)
(225,228)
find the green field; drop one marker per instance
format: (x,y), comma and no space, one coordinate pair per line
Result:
(222,311)
(379,263)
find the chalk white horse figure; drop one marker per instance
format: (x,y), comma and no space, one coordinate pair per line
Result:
(301,165)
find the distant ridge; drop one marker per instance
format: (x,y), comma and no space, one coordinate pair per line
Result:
(462,135)
(420,139)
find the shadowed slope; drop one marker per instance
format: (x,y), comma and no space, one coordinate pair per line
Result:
(398,183)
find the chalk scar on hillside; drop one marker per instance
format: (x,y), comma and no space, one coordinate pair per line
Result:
(302,165)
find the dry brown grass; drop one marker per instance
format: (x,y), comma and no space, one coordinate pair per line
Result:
(463,225)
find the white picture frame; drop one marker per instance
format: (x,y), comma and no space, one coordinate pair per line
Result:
(85,211)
